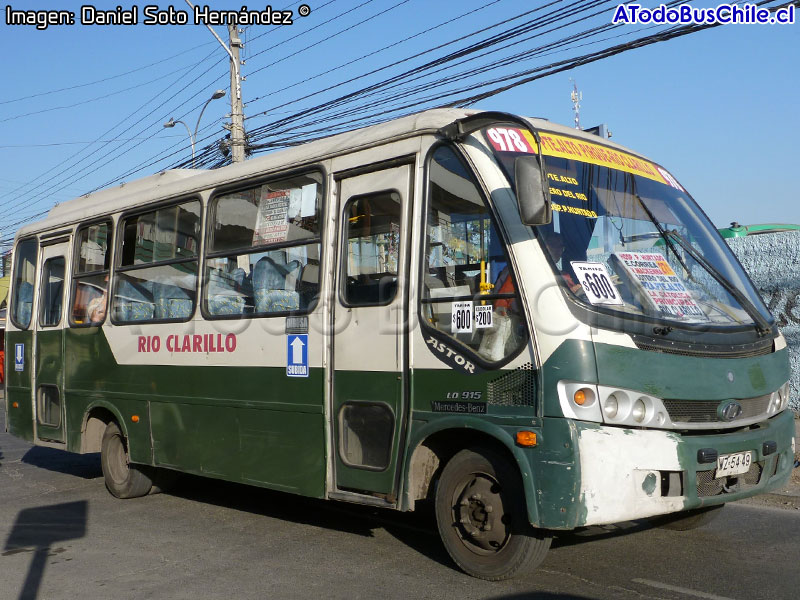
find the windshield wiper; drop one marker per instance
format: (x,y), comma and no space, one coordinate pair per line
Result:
(761,324)
(664,234)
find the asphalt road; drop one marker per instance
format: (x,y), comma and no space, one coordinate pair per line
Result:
(64,536)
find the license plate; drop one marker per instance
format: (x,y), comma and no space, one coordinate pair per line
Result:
(733,464)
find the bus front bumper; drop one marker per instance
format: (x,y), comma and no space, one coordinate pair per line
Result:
(628,474)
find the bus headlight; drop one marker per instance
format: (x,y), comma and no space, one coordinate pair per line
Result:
(615,406)
(779,399)
(579,401)
(627,407)
(611,406)
(639,411)
(783,392)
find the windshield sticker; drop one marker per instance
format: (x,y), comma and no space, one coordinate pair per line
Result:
(573,210)
(564,181)
(664,291)
(670,179)
(272,223)
(564,147)
(511,139)
(483,317)
(461,317)
(596,283)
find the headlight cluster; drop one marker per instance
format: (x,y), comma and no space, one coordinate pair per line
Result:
(611,405)
(779,399)
(616,406)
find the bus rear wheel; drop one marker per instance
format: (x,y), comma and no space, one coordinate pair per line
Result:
(123,479)
(482,520)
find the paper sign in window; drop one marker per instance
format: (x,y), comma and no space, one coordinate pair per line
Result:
(461,317)
(663,289)
(272,223)
(596,283)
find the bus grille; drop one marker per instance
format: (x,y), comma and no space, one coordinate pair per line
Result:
(708,486)
(515,388)
(706,353)
(701,411)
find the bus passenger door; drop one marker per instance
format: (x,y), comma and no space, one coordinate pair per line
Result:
(49,322)
(369,365)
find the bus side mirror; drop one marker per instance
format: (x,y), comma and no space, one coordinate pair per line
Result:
(533,192)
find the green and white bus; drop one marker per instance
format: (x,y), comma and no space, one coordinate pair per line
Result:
(535,328)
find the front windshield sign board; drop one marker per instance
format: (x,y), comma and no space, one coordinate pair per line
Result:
(596,283)
(663,288)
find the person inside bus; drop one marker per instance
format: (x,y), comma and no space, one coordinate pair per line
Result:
(555,246)
(96,309)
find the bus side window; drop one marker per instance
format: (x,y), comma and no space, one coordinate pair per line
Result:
(90,279)
(468,290)
(264,249)
(156,273)
(372,249)
(24,275)
(52,292)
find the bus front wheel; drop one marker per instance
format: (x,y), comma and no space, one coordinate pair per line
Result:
(481,516)
(123,479)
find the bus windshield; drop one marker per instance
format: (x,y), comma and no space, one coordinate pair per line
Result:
(627,238)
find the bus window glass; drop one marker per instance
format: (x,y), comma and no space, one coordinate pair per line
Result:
(468,288)
(264,250)
(52,292)
(372,249)
(90,282)
(157,270)
(627,239)
(24,274)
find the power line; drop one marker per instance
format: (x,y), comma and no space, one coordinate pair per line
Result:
(90,83)
(360,58)
(81,143)
(95,99)
(38,198)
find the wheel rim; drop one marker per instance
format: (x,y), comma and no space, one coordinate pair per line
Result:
(117,460)
(479,514)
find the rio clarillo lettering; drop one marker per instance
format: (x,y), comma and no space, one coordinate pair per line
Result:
(724,14)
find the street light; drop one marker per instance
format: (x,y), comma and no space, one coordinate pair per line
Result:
(192,138)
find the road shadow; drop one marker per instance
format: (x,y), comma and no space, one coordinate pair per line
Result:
(416,530)
(86,466)
(565,539)
(538,596)
(37,530)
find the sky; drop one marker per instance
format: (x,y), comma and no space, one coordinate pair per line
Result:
(83,106)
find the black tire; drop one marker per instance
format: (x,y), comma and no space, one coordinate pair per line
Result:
(689,519)
(482,518)
(123,479)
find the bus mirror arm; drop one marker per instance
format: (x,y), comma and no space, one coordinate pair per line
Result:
(533,193)
(532,189)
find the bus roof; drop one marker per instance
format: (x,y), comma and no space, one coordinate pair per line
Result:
(172,183)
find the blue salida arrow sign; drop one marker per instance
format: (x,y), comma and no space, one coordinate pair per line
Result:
(19,357)
(297,355)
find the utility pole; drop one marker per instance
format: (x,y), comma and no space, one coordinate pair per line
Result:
(237,110)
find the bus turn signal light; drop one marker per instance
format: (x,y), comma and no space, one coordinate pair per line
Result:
(15,405)
(580,397)
(135,418)
(526,438)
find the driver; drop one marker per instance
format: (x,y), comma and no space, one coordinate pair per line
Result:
(555,246)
